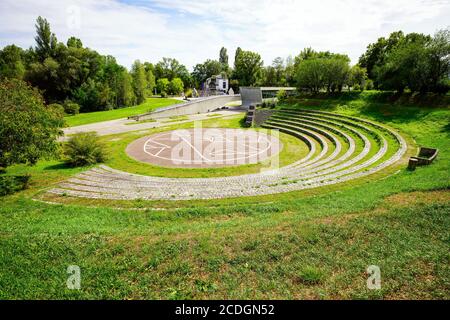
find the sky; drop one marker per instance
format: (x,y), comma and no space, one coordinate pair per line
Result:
(194,30)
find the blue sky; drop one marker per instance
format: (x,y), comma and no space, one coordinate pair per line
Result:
(195,30)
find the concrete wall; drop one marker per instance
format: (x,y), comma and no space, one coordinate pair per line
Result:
(202,105)
(250,96)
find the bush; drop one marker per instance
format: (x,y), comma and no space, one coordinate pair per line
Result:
(369,85)
(71,107)
(188,93)
(281,95)
(163,94)
(56,107)
(12,184)
(176,86)
(162,85)
(84,149)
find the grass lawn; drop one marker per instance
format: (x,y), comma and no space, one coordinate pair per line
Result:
(92,117)
(312,244)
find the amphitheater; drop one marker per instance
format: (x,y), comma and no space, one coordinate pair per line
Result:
(341,148)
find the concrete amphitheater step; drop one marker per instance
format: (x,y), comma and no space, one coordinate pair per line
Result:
(340,162)
(331,159)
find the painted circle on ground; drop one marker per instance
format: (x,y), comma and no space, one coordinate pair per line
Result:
(205,148)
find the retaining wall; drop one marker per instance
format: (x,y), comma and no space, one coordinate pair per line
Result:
(193,107)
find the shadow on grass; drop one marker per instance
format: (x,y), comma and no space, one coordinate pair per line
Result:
(59,166)
(393,112)
(446,128)
(367,106)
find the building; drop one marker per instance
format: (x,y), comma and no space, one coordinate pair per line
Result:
(217,85)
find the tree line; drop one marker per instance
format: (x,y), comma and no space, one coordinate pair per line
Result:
(77,77)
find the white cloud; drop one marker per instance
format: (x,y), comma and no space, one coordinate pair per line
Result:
(194,30)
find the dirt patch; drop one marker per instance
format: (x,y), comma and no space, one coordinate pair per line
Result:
(411,198)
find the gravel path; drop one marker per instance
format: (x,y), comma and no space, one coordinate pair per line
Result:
(125,125)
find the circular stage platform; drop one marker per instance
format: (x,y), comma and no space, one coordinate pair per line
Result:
(205,148)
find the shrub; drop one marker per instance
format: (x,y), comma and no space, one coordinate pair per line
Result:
(163,94)
(369,85)
(281,95)
(56,107)
(162,85)
(12,184)
(176,86)
(84,149)
(188,93)
(71,107)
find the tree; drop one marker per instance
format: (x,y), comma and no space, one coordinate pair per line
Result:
(162,85)
(321,70)
(290,71)
(126,95)
(74,43)
(335,70)
(280,76)
(170,68)
(223,56)
(438,53)
(270,76)
(310,75)
(11,62)
(45,76)
(377,52)
(88,96)
(305,54)
(139,81)
(418,62)
(28,129)
(223,59)
(150,75)
(357,77)
(248,68)
(176,86)
(46,41)
(206,70)
(236,55)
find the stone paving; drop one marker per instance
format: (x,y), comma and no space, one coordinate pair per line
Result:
(340,150)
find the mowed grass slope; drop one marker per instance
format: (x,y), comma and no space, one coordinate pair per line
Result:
(92,117)
(304,245)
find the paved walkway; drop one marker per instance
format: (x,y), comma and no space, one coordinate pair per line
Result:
(125,125)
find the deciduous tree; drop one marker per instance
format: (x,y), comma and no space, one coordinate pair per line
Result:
(28,129)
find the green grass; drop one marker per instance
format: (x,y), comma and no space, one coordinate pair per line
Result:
(312,244)
(176,119)
(92,117)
